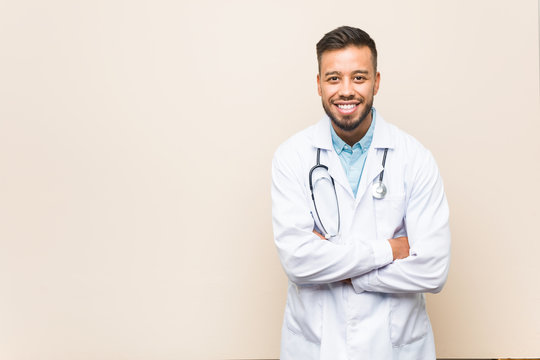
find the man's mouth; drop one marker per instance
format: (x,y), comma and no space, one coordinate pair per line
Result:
(346,108)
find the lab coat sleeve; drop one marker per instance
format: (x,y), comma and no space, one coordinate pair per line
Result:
(305,257)
(426,222)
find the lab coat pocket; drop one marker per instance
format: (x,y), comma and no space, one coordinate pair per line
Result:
(389,216)
(303,313)
(408,318)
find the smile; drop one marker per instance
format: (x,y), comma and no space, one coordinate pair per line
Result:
(346,108)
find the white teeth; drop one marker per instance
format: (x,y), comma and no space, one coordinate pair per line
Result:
(346,107)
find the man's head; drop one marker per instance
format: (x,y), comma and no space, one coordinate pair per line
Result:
(348,80)
(343,37)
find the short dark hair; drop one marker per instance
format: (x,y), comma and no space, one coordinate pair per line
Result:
(345,36)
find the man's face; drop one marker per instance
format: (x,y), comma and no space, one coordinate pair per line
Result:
(347,83)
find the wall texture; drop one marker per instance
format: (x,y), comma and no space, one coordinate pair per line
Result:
(135,147)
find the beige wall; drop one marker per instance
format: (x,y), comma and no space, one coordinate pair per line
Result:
(135,147)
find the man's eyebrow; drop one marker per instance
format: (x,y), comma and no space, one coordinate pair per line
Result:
(335,72)
(332,73)
(361,72)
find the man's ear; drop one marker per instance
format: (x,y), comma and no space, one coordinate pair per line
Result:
(319,85)
(377,81)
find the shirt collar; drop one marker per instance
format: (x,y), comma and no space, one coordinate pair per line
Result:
(364,143)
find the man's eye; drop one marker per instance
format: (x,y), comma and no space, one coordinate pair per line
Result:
(333,78)
(359,78)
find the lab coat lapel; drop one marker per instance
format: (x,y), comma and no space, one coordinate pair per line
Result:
(382,139)
(372,169)
(323,140)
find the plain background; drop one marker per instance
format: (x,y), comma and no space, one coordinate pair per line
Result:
(135,146)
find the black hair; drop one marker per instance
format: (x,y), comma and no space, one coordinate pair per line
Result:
(345,36)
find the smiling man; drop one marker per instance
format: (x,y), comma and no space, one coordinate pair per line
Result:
(360,221)
(347,82)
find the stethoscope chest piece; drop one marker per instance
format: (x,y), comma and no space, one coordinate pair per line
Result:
(379,190)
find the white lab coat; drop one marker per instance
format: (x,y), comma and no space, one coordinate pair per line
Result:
(382,315)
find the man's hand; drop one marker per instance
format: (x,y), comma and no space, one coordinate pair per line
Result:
(400,247)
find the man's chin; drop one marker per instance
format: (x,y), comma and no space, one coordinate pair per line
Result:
(348,122)
(346,125)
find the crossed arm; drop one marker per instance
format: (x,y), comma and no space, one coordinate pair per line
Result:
(400,247)
(369,266)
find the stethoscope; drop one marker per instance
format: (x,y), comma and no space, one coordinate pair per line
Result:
(378,191)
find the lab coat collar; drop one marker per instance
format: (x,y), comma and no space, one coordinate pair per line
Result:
(382,137)
(323,138)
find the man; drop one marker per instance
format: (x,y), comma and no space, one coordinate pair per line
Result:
(357,268)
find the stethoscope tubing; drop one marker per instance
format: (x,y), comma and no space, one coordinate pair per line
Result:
(381,175)
(319,165)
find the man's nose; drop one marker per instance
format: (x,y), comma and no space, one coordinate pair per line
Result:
(346,88)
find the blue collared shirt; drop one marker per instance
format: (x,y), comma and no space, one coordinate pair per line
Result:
(353,158)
